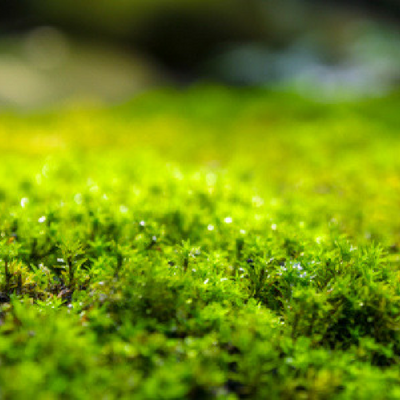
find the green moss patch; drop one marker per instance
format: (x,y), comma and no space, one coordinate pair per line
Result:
(205,244)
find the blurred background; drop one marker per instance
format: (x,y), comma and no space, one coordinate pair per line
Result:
(57,52)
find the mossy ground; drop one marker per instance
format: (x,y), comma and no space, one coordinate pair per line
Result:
(206,244)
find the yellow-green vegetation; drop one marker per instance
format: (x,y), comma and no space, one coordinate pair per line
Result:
(206,244)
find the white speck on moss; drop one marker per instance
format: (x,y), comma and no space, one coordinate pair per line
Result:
(123,209)
(78,198)
(24,202)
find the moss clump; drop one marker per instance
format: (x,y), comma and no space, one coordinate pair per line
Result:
(207,244)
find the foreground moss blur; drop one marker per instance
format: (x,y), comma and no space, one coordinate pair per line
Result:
(205,244)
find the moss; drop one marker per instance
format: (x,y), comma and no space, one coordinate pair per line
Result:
(204,244)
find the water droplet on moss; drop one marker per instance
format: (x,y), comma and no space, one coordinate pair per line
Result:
(78,198)
(24,202)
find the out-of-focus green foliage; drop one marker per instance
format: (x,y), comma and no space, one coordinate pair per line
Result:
(122,16)
(207,244)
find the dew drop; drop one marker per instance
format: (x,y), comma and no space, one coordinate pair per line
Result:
(123,209)
(24,202)
(78,198)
